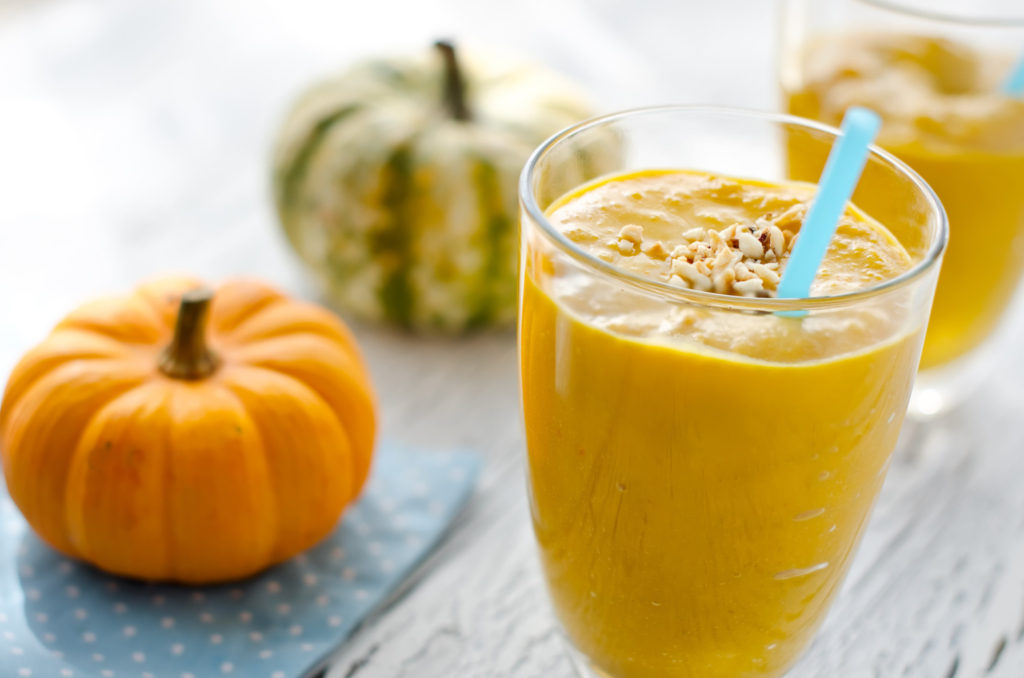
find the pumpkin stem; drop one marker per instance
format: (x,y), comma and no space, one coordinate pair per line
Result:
(454,84)
(188,356)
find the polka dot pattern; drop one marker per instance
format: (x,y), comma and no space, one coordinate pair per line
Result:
(63,618)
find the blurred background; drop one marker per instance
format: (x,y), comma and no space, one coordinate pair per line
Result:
(135,136)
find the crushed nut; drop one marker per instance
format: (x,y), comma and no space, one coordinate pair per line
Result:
(689,272)
(769,277)
(716,240)
(750,287)
(793,216)
(632,233)
(723,260)
(679,265)
(703,284)
(655,250)
(725,279)
(777,240)
(742,258)
(750,246)
(626,247)
(741,271)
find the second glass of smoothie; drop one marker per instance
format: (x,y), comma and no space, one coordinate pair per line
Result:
(935,70)
(702,456)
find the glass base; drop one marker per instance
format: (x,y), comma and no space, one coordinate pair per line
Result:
(581,663)
(940,390)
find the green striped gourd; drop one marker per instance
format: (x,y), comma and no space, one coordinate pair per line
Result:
(396,183)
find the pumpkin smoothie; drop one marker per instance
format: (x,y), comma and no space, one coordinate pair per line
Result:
(699,478)
(945,116)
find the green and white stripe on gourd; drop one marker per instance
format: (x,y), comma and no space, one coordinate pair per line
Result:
(396,182)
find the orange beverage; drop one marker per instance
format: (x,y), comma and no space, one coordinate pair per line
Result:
(701,467)
(937,81)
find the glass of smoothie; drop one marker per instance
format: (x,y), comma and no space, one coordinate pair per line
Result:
(935,70)
(703,456)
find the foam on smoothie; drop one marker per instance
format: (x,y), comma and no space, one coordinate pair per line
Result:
(726,235)
(931,92)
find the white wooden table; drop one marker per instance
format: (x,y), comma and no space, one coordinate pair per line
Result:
(134,139)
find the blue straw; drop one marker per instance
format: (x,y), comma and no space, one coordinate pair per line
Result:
(842,171)
(1014,85)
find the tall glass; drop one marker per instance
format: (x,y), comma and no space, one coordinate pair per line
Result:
(935,71)
(697,496)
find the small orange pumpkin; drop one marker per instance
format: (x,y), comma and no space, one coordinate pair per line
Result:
(179,434)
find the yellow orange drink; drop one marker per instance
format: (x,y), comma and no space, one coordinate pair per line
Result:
(701,466)
(937,83)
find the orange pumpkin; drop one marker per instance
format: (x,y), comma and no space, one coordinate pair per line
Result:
(169,437)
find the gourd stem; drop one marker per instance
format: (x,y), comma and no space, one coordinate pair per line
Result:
(188,356)
(454,84)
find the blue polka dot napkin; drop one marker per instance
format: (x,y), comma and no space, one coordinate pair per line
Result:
(60,618)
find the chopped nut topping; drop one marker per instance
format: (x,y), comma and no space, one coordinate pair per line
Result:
(678,265)
(655,250)
(727,236)
(777,240)
(749,288)
(741,271)
(723,259)
(626,247)
(793,216)
(724,279)
(689,273)
(750,246)
(717,241)
(632,233)
(769,277)
(741,258)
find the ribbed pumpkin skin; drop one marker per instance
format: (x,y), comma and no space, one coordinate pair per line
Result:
(195,481)
(405,214)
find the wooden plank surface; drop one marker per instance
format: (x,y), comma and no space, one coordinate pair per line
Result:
(134,139)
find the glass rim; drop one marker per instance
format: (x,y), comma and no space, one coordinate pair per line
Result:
(1008,22)
(681,294)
